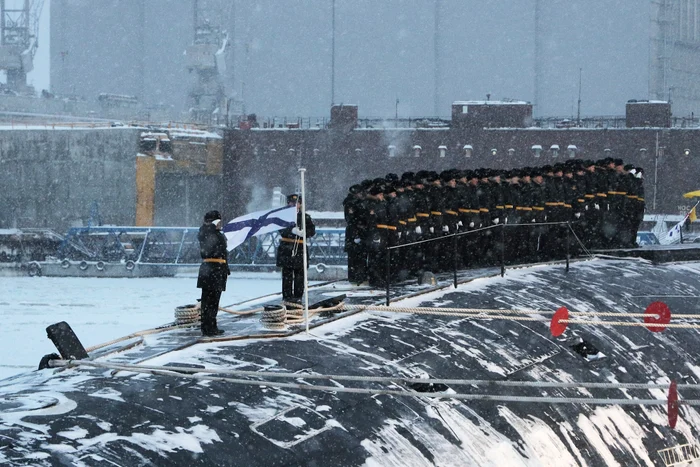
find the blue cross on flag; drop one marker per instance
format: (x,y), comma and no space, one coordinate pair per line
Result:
(257,223)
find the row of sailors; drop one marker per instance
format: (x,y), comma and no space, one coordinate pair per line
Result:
(602,200)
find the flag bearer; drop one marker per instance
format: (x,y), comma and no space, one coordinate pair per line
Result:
(290,254)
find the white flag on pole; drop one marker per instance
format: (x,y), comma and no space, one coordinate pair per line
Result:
(674,234)
(257,223)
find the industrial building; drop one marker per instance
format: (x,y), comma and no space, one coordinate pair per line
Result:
(492,134)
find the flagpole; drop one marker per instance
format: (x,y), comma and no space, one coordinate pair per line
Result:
(303,227)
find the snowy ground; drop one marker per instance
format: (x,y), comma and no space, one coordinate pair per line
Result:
(98,309)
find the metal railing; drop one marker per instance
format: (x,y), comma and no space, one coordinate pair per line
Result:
(455,253)
(601,121)
(680,455)
(179,246)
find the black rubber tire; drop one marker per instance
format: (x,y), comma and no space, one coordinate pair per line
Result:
(44,363)
(34,269)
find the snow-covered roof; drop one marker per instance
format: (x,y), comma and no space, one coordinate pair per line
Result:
(646,102)
(326,214)
(192,133)
(490,103)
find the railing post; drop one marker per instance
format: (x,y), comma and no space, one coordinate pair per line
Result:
(503,249)
(388,274)
(567,246)
(454,257)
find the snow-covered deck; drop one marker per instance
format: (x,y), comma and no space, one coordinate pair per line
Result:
(131,417)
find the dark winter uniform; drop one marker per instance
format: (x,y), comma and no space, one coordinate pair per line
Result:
(513,235)
(435,195)
(392,222)
(592,214)
(213,271)
(552,243)
(407,227)
(422,230)
(377,239)
(540,216)
(636,200)
(290,257)
(605,182)
(469,200)
(354,231)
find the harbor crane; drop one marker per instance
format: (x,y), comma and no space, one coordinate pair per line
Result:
(19,27)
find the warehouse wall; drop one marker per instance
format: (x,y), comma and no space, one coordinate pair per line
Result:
(56,177)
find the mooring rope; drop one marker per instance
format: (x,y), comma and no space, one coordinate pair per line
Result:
(381,379)
(241,313)
(183,372)
(473,313)
(138,334)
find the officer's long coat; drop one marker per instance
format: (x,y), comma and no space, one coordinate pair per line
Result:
(212,244)
(291,248)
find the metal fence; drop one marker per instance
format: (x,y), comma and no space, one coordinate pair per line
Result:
(179,245)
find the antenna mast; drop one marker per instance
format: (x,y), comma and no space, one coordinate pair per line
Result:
(578,113)
(333,56)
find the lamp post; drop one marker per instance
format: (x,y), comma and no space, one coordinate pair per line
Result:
(396,115)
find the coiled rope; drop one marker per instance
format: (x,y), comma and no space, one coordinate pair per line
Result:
(278,318)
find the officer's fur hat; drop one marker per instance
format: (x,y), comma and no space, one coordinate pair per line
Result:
(376,189)
(377,186)
(366,184)
(484,173)
(408,176)
(391,177)
(293,198)
(464,174)
(211,216)
(447,175)
(354,189)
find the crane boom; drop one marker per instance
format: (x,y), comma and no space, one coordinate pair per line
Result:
(19,34)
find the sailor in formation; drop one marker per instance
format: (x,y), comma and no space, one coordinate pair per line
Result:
(520,215)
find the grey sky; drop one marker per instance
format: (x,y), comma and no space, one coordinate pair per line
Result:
(281,54)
